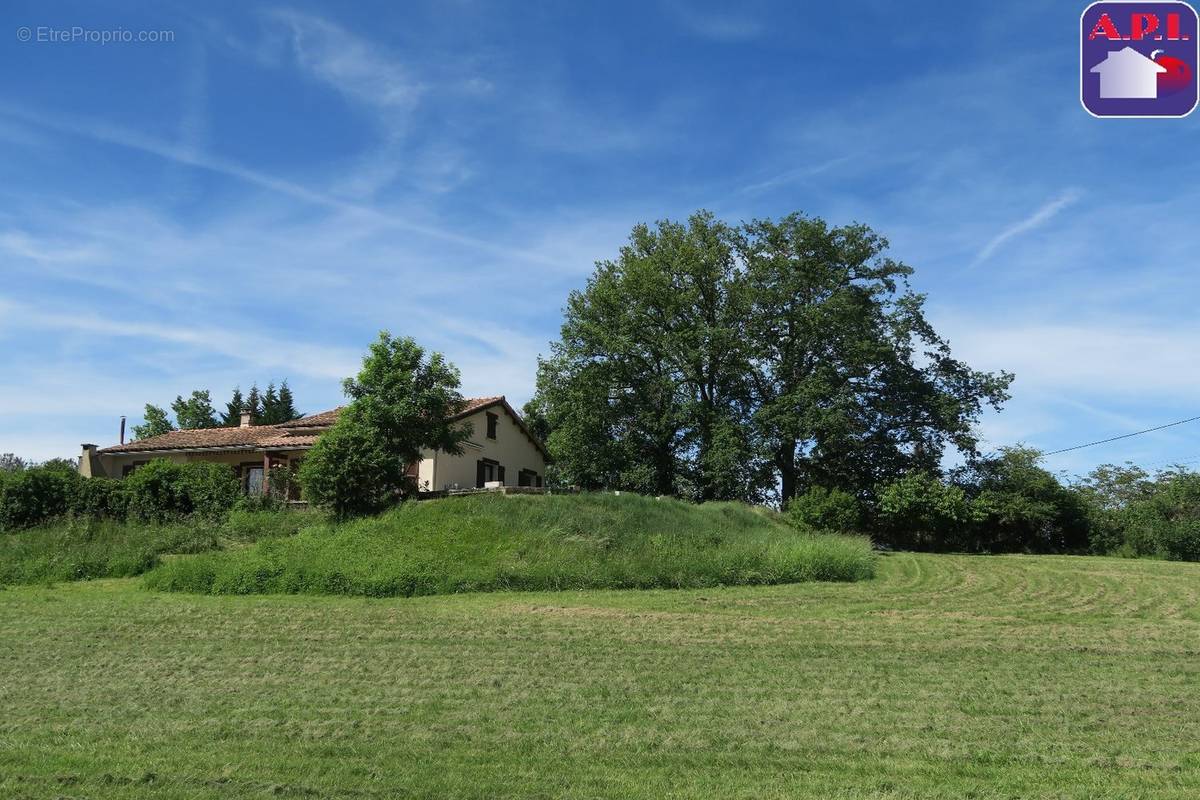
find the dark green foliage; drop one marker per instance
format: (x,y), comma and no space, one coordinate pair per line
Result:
(825,510)
(36,495)
(12,463)
(254,403)
(1002,504)
(277,405)
(401,402)
(647,388)
(1017,506)
(196,411)
(920,512)
(1164,523)
(716,362)
(231,417)
(163,489)
(156,423)
(285,409)
(100,498)
(492,543)
(272,408)
(853,385)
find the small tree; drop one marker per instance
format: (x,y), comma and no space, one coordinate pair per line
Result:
(12,463)
(286,404)
(270,403)
(1018,506)
(196,411)
(231,417)
(401,403)
(254,404)
(156,423)
(920,512)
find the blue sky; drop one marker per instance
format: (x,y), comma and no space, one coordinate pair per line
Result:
(257,198)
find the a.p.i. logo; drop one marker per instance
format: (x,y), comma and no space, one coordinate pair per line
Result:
(1139,59)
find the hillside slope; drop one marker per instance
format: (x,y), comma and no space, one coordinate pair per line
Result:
(494,542)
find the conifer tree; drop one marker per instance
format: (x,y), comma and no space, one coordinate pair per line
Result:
(232,416)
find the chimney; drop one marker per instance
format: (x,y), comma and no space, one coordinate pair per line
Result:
(87,459)
(247,418)
(122,430)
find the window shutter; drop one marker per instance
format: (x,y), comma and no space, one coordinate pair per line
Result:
(500,474)
(479,474)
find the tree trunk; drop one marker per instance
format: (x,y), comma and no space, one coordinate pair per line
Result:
(785,461)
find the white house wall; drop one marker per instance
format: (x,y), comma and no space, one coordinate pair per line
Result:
(511,447)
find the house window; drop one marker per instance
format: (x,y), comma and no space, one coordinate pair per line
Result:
(528,477)
(487,470)
(251,475)
(491,425)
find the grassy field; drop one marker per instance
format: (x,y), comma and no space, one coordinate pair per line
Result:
(945,677)
(522,542)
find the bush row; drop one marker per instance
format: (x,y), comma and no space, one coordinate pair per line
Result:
(1010,504)
(160,490)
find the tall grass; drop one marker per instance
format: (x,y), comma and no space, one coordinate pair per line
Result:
(82,548)
(493,543)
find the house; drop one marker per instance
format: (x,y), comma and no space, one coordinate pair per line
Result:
(1126,74)
(501,449)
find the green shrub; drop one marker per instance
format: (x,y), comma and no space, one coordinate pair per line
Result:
(495,543)
(35,496)
(1017,506)
(920,512)
(101,498)
(163,490)
(1167,523)
(825,510)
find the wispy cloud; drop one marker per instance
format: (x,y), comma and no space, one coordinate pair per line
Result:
(348,63)
(1040,217)
(104,132)
(796,175)
(262,351)
(718,24)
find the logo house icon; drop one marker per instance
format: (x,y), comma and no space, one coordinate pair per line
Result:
(1127,74)
(1139,59)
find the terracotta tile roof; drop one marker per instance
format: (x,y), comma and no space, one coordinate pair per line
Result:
(473,404)
(326,418)
(287,440)
(214,438)
(321,420)
(264,436)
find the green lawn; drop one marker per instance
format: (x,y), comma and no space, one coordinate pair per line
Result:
(945,676)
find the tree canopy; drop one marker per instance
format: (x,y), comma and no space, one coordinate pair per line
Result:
(196,411)
(720,362)
(156,423)
(401,403)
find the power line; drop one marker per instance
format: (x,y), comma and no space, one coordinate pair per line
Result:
(1123,436)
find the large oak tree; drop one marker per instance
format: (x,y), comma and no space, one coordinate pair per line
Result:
(718,362)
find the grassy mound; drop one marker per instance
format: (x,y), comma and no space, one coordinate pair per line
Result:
(494,543)
(82,548)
